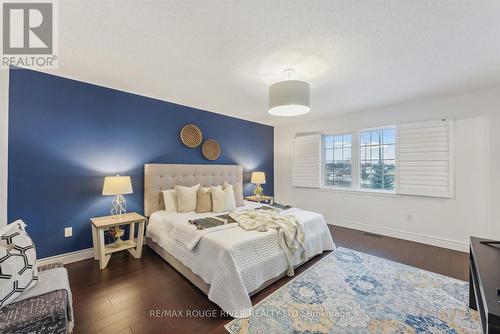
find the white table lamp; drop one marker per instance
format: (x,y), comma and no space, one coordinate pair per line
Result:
(258,178)
(117,186)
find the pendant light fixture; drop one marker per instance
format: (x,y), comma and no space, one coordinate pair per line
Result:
(290,97)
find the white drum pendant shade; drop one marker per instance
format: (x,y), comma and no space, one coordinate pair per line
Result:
(289,98)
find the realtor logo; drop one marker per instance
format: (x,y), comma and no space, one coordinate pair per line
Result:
(28,32)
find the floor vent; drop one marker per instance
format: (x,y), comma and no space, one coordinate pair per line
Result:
(372,235)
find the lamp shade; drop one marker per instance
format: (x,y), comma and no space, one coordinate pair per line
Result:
(289,98)
(117,185)
(258,178)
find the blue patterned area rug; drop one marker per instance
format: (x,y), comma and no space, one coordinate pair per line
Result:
(353,292)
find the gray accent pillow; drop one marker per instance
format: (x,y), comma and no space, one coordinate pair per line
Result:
(18,270)
(204,200)
(238,192)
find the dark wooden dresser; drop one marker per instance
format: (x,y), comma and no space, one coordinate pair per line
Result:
(484,270)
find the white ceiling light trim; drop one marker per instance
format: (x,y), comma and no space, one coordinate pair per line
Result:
(289,98)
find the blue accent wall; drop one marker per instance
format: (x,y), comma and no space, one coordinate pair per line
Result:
(66,135)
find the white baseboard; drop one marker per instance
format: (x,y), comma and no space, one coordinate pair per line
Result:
(421,238)
(68,257)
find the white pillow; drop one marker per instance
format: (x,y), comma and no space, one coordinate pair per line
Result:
(238,192)
(170,200)
(230,198)
(186,198)
(223,200)
(17,262)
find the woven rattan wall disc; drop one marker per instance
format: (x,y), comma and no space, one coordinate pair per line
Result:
(211,149)
(191,135)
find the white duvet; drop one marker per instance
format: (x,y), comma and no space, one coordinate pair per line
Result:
(234,261)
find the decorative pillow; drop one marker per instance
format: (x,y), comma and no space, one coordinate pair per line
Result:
(170,200)
(223,200)
(230,200)
(204,200)
(218,200)
(238,192)
(186,198)
(18,270)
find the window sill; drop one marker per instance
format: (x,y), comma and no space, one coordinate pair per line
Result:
(366,192)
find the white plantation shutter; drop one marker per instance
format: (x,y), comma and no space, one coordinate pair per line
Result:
(425,159)
(306,161)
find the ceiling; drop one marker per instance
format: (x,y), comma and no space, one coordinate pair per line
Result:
(221,56)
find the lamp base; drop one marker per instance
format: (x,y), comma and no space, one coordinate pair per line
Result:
(258,191)
(119,206)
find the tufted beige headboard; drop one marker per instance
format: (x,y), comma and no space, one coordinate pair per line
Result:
(158,177)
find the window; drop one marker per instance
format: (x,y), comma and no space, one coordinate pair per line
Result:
(337,157)
(370,166)
(365,160)
(378,159)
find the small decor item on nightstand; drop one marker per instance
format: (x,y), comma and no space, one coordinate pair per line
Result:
(258,178)
(115,233)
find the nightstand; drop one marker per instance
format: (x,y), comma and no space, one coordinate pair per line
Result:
(102,252)
(265,199)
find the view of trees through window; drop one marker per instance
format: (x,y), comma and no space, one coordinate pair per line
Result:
(338,152)
(378,156)
(375,164)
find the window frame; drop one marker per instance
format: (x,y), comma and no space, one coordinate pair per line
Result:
(323,159)
(356,161)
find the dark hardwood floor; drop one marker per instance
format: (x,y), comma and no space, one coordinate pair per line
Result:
(126,296)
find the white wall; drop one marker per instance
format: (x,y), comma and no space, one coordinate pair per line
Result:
(4,127)
(442,222)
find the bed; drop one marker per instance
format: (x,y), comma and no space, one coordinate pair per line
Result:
(228,264)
